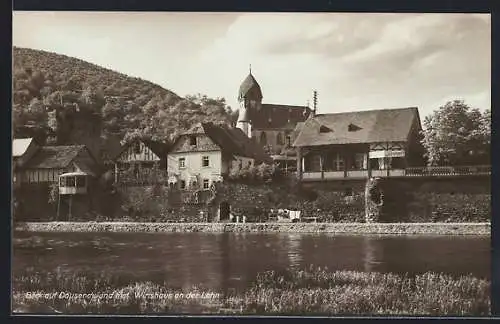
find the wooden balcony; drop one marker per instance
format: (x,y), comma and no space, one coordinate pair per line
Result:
(408,172)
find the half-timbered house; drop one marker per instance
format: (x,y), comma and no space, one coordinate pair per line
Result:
(141,155)
(362,144)
(49,162)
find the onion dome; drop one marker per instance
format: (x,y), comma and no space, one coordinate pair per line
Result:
(250,88)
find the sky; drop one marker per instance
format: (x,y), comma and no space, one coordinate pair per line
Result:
(355,61)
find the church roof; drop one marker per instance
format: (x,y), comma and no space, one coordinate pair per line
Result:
(272,116)
(250,86)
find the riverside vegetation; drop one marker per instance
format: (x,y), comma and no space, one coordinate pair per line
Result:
(313,291)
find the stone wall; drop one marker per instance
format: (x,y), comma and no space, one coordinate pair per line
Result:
(405,200)
(436,200)
(483,229)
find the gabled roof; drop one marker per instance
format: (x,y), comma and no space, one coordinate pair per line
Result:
(230,140)
(385,125)
(20,145)
(54,157)
(161,149)
(271,116)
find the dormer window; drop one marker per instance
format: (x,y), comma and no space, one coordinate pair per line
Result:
(192,140)
(352,128)
(324,129)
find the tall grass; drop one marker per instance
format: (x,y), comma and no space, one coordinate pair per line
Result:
(291,292)
(318,291)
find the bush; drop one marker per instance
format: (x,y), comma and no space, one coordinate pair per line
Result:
(255,175)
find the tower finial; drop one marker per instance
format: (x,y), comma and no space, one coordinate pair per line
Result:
(250,68)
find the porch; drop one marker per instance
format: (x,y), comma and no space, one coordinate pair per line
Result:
(407,172)
(362,161)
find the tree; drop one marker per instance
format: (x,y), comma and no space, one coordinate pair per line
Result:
(455,134)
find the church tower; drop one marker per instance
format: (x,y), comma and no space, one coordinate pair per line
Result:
(250,100)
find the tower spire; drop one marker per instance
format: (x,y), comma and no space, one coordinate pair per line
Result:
(250,68)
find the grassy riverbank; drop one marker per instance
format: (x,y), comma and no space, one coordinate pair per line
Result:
(292,292)
(347,228)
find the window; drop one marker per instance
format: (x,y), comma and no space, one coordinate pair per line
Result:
(182,163)
(249,163)
(338,163)
(288,140)
(324,129)
(206,184)
(374,165)
(137,148)
(263,138)
(352,128)
(205,161)
(398,163)
(359,161)
(80,181)
(279,139)
(62,182)
(183,184)
(192,140)
(70,181)
(313,163)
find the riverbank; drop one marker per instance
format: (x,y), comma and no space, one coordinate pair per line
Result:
(291,292)
(339,228)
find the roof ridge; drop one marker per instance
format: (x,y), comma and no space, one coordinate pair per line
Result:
(285,105)
(366,111)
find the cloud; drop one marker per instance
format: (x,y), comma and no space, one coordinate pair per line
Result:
(356,61)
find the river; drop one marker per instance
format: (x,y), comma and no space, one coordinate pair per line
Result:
(230,261)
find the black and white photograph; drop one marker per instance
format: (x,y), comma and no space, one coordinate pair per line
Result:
(251,164)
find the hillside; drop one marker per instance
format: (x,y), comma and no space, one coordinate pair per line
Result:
(49,86)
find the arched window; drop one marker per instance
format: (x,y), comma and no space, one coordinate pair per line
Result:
(279,139)
(263,138)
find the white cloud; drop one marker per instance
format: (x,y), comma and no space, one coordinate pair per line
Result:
(355,61)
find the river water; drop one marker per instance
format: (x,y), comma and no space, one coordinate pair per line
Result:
(231,261)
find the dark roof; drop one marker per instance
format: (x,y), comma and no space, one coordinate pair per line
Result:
(232,141)
(54,157)
(250,87)
(250,148)
(271,116)
(159,148)
(385,125)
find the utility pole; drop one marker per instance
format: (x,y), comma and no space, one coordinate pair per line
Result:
(315,101)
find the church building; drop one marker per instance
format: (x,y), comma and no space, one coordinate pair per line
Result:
(270,125)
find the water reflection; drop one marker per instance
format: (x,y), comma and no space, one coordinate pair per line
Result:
(294,251)
(230,261)
(373,253)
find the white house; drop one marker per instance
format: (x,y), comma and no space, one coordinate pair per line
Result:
(207,152)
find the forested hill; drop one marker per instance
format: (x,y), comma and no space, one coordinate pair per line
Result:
(47,86)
